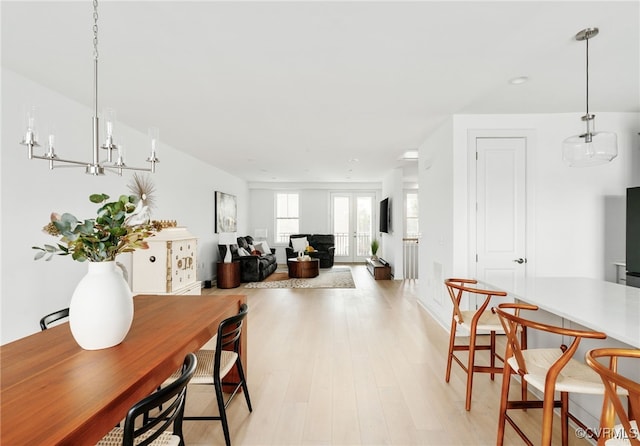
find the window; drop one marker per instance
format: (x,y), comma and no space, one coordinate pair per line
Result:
(411,215)
(287,216)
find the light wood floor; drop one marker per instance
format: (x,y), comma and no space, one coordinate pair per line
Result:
(361,366)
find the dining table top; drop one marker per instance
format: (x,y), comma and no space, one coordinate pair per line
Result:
(54,392)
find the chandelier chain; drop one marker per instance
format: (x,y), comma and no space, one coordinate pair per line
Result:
(95,29)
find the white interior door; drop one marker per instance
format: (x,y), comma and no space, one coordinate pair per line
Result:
(501,258)
(352,225)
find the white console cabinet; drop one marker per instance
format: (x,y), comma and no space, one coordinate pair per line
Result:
(169,265)
(621,273)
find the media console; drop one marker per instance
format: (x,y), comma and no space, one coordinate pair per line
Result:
(379,269)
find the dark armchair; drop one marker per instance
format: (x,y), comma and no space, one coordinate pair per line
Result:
(253,268)
(323,245)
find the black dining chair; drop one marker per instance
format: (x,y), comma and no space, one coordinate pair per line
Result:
(215,365)
(148,422)
(49,319)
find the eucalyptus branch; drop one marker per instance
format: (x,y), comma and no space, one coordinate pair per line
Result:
(103,238)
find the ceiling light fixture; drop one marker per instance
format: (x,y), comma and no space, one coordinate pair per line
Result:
(409,155)
(95,167)
(590,148)
(518,80)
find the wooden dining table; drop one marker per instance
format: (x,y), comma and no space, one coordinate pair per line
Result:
(54,392)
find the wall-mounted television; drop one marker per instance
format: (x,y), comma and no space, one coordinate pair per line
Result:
(633,237)
(384,215)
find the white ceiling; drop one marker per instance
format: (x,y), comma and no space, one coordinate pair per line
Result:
(296,91)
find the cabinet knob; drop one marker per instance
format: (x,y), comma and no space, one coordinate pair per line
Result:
(152,259)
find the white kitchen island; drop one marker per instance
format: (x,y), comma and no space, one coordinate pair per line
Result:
(596,304)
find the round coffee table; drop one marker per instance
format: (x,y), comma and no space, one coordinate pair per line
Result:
(303,269)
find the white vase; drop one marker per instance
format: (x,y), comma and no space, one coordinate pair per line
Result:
(101,308)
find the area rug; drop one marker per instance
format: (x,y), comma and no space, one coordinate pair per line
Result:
(336,277)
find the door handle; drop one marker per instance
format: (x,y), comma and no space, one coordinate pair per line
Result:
(520,260)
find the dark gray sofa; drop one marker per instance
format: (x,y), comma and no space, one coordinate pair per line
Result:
(252,268)
(324,245)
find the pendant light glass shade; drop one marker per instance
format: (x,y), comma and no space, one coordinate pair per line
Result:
(591,148)
(577,152)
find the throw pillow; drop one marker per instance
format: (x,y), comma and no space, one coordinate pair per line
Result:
(299,244)
(243,252)
(242,243)
(263,247)
(266,249)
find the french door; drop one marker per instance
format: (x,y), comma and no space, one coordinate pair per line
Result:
(352,224)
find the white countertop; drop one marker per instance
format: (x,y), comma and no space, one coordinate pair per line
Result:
(596,304)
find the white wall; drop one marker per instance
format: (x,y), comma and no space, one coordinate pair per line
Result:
(576,216)
(436,174)
(391,248)
(30,192)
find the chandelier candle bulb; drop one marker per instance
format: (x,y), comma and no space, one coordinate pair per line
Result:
(31,122)
(109,118)
(30,137)
(154,135)
(31,128)
(51,152)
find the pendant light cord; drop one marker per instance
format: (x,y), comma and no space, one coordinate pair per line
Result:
(587,58)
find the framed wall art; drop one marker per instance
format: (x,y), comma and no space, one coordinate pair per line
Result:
(226,212)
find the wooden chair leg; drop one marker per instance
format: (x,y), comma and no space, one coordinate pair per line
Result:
(523,384)
(493,353)
(547,417)
(504,399)
(452,340)
(607,419)
(564,417)
(470,368)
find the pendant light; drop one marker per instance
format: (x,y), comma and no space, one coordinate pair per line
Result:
(590,148)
